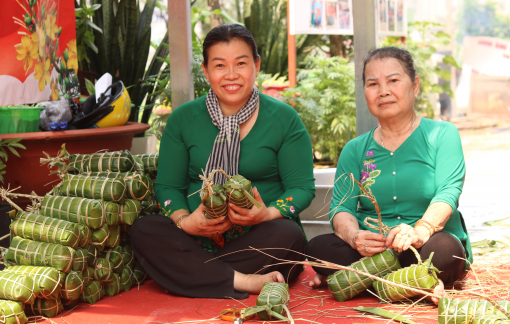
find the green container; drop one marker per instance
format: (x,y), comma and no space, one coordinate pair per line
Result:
(19,120)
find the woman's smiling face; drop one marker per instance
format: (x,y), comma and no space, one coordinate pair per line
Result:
(231,69)
(388,88)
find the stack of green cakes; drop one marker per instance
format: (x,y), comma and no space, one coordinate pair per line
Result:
(75,248)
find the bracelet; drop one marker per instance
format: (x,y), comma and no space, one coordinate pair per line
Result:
(179,220)
(427,225)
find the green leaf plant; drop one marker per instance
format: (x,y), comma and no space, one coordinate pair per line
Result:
(5,146)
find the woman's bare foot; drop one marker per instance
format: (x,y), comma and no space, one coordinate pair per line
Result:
(318,281)
(252,283)
(438,290)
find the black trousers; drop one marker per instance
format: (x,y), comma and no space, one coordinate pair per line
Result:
(329,247)
(178,263)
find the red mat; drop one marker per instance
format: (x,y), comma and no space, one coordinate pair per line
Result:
(150,304)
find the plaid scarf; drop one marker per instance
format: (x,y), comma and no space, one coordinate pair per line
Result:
(226,148)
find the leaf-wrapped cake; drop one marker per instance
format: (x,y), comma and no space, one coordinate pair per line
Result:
(102,188)
(45,229)
(119,161)
(344,285)
(88,212)
(26,252)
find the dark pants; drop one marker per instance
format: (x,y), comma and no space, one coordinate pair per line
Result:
(329,247)
(178,263)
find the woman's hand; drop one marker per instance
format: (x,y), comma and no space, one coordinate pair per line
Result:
(368,243)
(197,224)
(403,236)
(253,216)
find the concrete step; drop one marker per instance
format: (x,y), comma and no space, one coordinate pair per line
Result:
(315,228)
(315,218)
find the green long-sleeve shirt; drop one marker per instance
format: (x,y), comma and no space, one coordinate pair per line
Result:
(428,167)
(276,155)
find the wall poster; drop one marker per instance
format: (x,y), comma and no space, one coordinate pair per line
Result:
(334,17)
(38,51)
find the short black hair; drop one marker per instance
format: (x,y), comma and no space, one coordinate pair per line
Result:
(226,33)
(401,54)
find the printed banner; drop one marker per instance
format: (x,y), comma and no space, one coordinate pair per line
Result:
(334,17)
(39,60)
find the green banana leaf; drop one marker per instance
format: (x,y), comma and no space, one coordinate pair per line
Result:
(215,202)
(114,287)
(73,285)
(491,319)
(100,237)
(46,278)
(112,213)
(45,229)
(384,313)
(18,287)
(129,211)
(114,255)
(463,311)
(119,161)
(88,212)
(149,163)
(239,192)
(92,255)
(45,307)
(92,293)
(138,186)
(12,312)
(149,207)
(126,279)
(114,237)
(80,260)
(139,274)
(128,260)
(26,252)
(344,285)
(93,188)
(271,302)
(103,271)
(421,276)
(88,276)
(85,236)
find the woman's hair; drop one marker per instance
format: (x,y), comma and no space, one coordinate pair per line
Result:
(402,55)
(226,33)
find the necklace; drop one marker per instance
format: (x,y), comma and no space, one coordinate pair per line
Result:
(412,127)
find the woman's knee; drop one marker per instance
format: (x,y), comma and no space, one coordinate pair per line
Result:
(320,244)
(448,256)
(282,231)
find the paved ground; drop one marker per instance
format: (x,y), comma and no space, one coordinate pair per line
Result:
(486,190)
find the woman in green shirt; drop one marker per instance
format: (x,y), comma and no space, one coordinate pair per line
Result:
(243,132)
(415,169)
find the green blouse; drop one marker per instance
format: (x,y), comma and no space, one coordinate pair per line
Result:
(428,167)
(276,155)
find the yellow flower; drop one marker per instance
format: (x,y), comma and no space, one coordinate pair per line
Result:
(54,90)
(72,61)
(51,27)
(43,72)
(41,40)
(27,51)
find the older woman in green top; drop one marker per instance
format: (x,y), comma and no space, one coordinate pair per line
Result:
(415,169)
(243,132)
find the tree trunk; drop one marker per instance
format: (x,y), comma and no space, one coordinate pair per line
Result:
(238,10)
(216,20)
(336,45)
